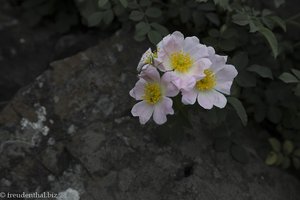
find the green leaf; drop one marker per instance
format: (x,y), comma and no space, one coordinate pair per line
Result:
(94,19)
(139,38)
(246,79)
(271,158)
(261,71)
(153,12)
(288,147)
(239,153)
(213,18)
(280,22)
(136,15)
(278,3)
(239,108)
(154,36)
(269,35)
(124,3)
(280,159)
(296,72)
(108,16)
(288,78)
(240,60)
(275,144)
(142,28)
(163,30)
(241,19)
(145,3)
(102,3)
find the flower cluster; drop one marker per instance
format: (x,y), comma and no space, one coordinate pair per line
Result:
(180,65)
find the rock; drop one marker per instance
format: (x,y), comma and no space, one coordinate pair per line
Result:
(101,152)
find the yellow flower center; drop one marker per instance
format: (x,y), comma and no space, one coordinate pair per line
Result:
(181,61)
(152,93)
(208,82)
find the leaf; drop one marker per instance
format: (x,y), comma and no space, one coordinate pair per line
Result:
(239,153)
(271,158)
(241,19)
(108,16)
(288,78)
(145,3)
(213,18)
(124,3)
(288,147)
(153,12)
(280,158)
(136,15)
(239,108)
(240,59)
(94,19)
(163,30)
(261,71)
(142,28)
(269,35)
(102,3)
(275,144)
(246,79)
(296,72)
(278,3)
(154,36)
(280,22)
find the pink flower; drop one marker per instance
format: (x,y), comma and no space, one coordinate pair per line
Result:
(154,92)
(218,79)
(185,57)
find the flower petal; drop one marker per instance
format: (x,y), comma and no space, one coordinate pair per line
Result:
(219,99)
(205,100)
(189,96)
(143,111)
(150,74)
(183,81)
(228,73)
(162,109)
(138,91)
(170,89)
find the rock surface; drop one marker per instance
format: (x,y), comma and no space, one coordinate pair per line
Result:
(95,148)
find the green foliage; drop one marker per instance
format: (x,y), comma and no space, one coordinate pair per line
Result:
(283,154)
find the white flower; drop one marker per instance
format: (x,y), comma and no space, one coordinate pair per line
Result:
(154,92)
(218,79)
(185,57)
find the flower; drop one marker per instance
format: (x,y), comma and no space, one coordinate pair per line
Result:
(154,92)
(147,59)
(218,79)
(185,57)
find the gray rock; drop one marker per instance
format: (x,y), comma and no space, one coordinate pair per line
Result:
(119,158)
